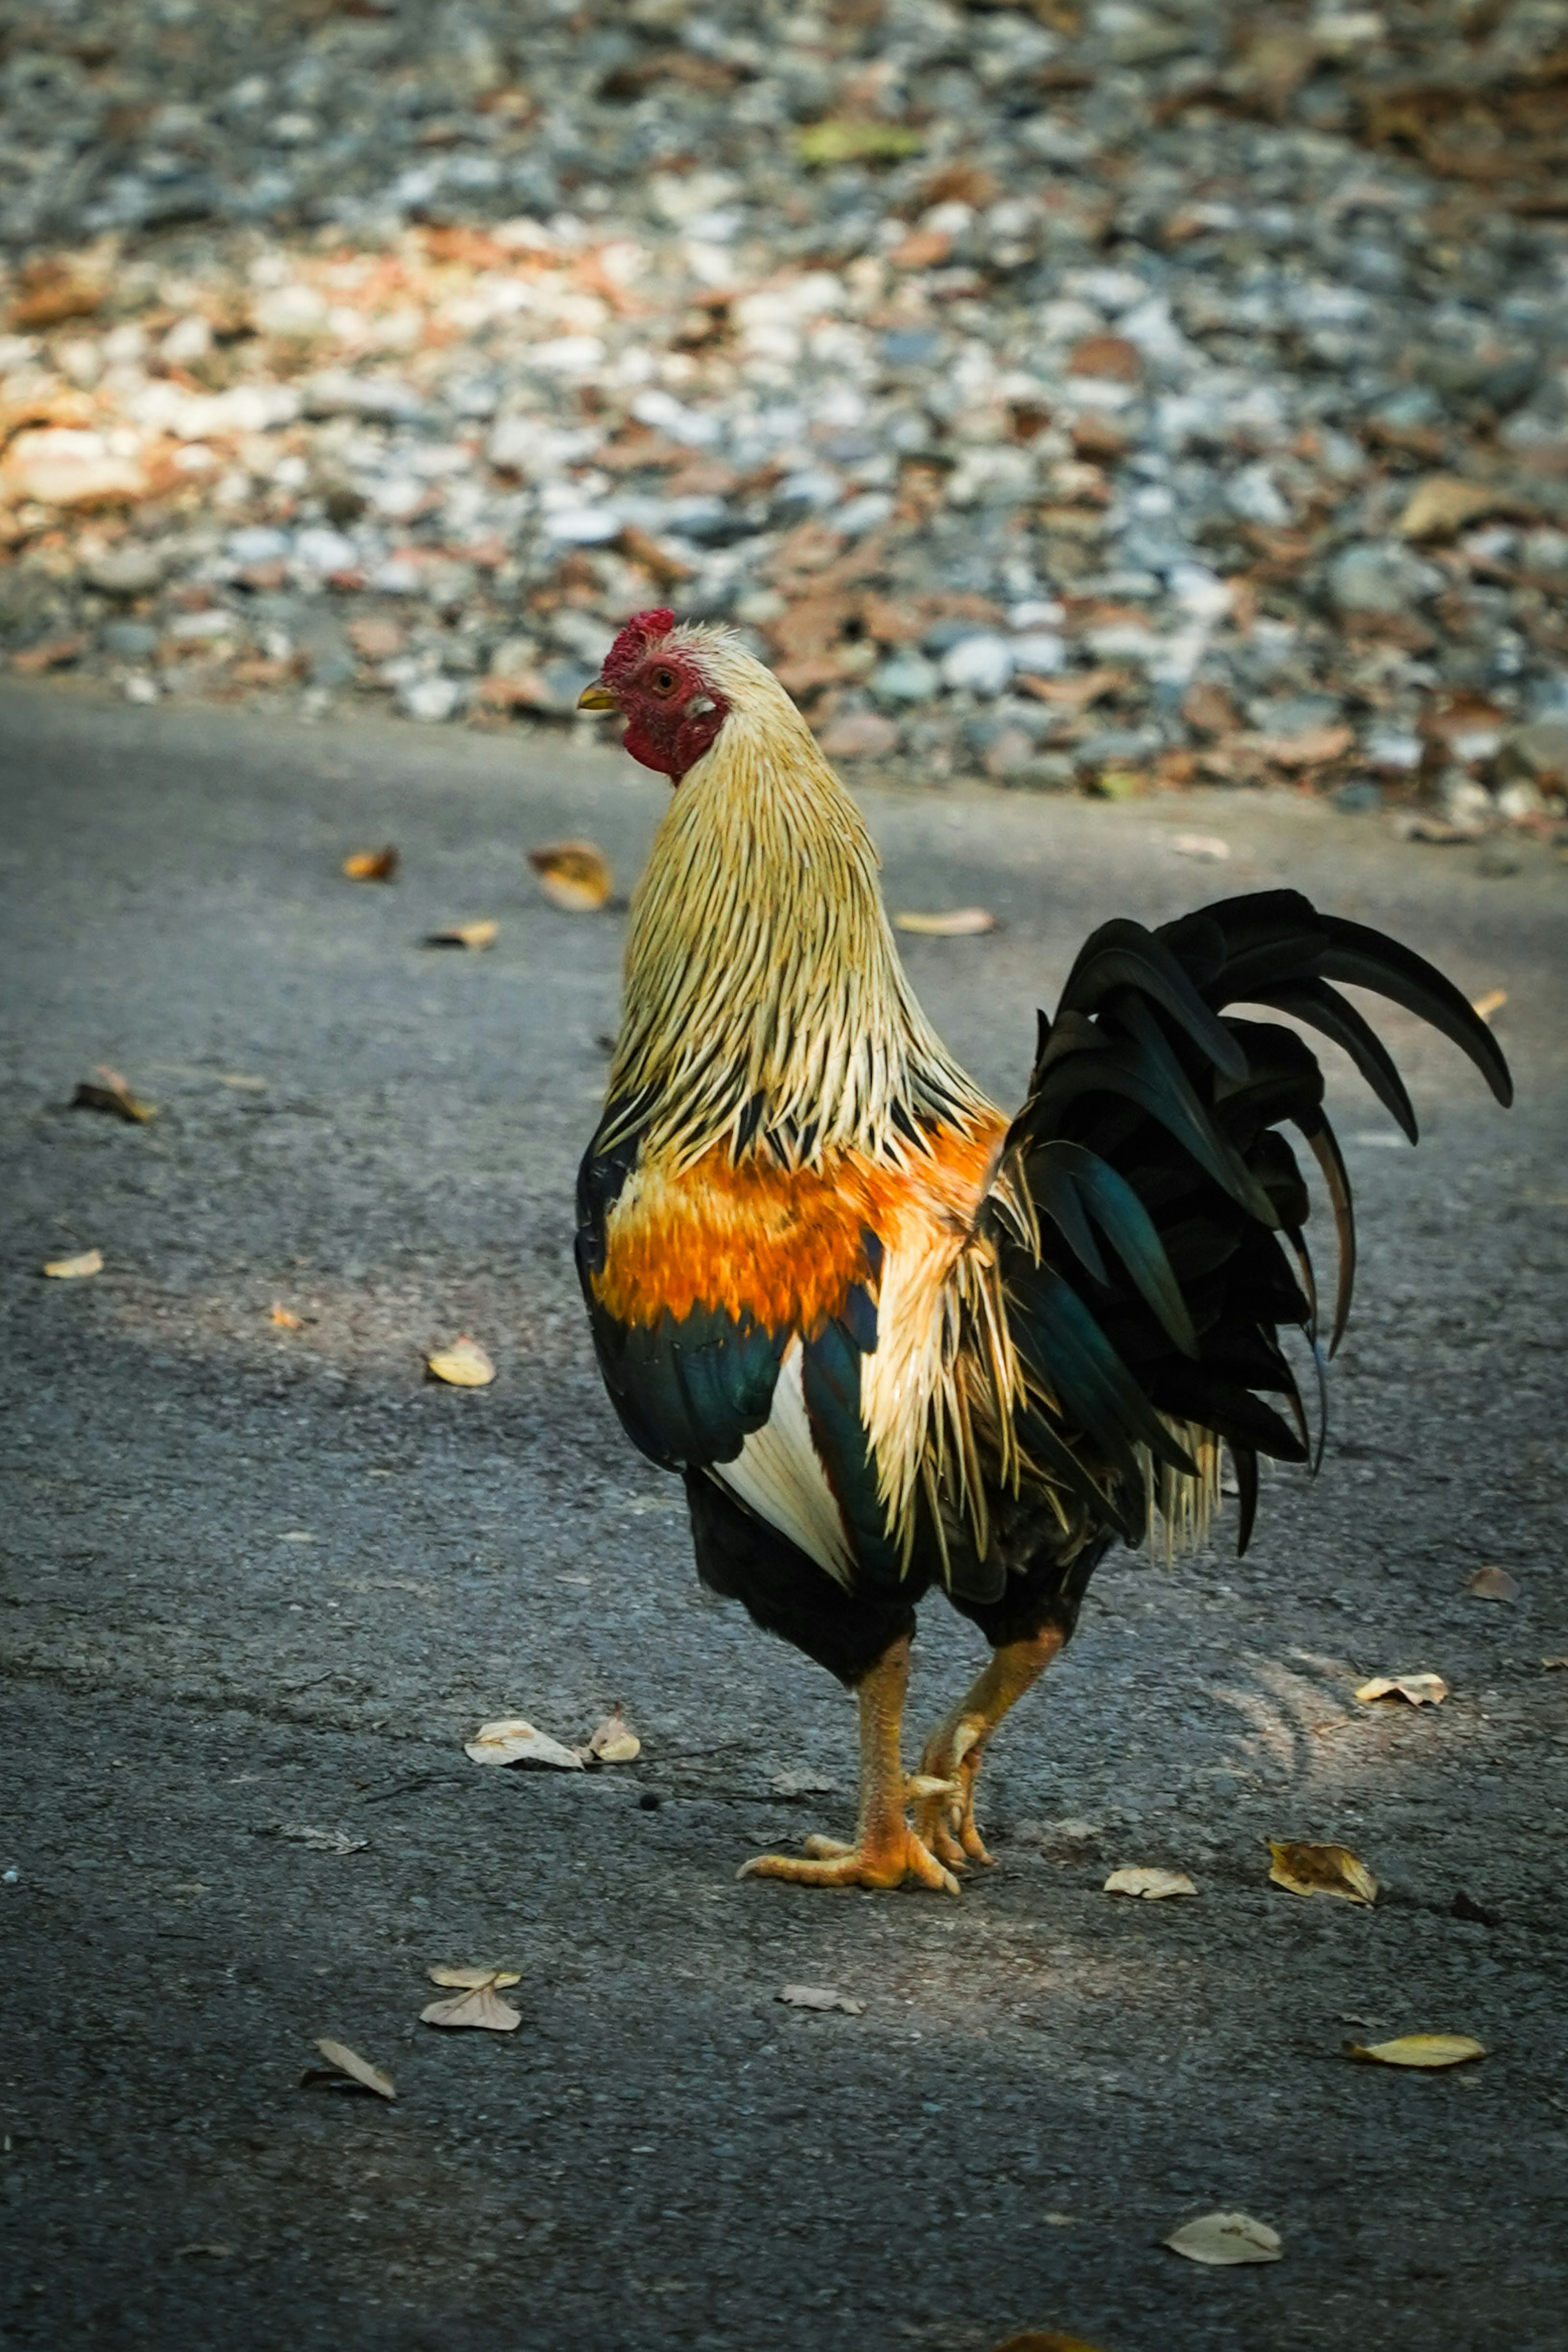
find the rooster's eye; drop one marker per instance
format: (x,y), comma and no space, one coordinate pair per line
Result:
(662,681)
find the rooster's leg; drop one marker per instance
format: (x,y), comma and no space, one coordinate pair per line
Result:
(951,1757)
(886,1849)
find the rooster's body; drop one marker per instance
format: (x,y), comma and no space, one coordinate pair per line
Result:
(891,1338)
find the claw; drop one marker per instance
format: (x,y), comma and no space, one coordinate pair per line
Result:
(829,1862)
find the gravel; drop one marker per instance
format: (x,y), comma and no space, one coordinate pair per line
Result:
(956,355)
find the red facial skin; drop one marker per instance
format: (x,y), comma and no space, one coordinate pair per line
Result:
(673,713)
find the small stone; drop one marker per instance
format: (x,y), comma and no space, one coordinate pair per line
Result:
(981,664)
(432,699)
(908,677)
(860,735)
(132,570)
(134,641)
(1538,751)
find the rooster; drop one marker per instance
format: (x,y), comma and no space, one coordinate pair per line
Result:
(891,1338)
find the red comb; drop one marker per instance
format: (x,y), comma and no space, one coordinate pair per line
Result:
(634,640)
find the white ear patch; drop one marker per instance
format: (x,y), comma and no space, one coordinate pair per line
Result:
(779,1474)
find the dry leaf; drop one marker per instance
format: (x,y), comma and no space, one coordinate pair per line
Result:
(573,875)
(1221,2238)
(1555,1661)
(477,2003)
(1430,2052)
(820,1997)
(1200,845)
(1154,1885)
(948,922)
(1487,1584)
(1421,1690)
(1442,504)
(72,1269)
(1309,1869)
(342,2060)
(107,1090)
(463,935)
(1049,2339)
(372,865)
(1492,1002)
(614,1741)
(472,1979)
(241,1083)
(510,1741)
(284,1317)
(463,1365)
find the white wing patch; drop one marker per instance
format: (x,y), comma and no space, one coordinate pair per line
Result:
(779,1474)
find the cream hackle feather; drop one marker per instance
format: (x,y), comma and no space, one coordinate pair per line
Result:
(761,964)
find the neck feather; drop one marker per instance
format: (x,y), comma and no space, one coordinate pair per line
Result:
(765,1004)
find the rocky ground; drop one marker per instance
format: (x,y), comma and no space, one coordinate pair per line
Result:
(1098,397)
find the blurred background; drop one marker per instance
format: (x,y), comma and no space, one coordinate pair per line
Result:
(1087,397)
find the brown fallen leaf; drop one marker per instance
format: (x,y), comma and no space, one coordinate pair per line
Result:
(1484,1007)
(372,865)
(1442,504)
(947,922)
(463,1365)
(1153,1885)
(1314,747)
(1075,693)
(478,2001)
(344,2061)
(1492,1583)
(1221,2239)
(1048,2339)
(73,1269)
(52,289)
(510,1741)
(1421,1690)
(285,1317)
(820,1997)
(1310,1869)
(613,1741)
(54,653)
(1429,2052)
(573,875)
(463,935)
(106,1090)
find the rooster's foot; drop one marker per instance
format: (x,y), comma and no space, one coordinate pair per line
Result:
(885,1860)
(944,1791)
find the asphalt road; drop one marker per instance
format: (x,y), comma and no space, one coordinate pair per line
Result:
(260,1579)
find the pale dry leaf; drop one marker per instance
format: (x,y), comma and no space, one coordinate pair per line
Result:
(802,1784)
(284,1317)
(472,1979)
(613,1741)
(477,935)
(1200,845)
(1306,1868)
(1484,1007)
(510,1741)
(1492,1583)
(463,1365)
(241,1083)
(106,1090)
(1556,1660)
(946,922)
(573,875)
(1429,2052)
(372,865)
(342,2060)
(73,1269)
(1154,1885)
(820,1997)
(1221,2239)
(1442,504)
(482,2005)
(1421,1690)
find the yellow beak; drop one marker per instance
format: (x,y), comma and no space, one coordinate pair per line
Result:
(597,697)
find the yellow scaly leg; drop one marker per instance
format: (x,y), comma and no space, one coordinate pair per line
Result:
(886,1849)
(944,1815)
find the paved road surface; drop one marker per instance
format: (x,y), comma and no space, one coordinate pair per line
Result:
(259,1579)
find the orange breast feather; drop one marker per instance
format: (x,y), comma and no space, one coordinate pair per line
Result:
(777,1245)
